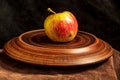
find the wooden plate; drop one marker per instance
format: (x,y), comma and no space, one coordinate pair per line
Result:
(36,48)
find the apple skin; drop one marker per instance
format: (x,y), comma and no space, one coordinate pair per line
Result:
(61,27)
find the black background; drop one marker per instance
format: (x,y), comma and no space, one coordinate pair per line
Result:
(99,17)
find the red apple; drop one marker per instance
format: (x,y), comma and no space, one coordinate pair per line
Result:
(61,27)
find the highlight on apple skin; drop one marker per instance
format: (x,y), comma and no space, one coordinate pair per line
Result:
(61,27)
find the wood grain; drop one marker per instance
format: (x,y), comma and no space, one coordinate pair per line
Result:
(36,48)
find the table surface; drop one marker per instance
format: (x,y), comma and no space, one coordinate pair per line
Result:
(116,61)
(11,69)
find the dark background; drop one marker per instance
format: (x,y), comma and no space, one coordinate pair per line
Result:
(99,17)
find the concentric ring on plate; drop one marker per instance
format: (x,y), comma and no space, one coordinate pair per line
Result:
(39,39)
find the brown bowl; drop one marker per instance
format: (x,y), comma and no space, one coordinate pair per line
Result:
(36,48)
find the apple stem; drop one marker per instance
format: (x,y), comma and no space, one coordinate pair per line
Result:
(50,10)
